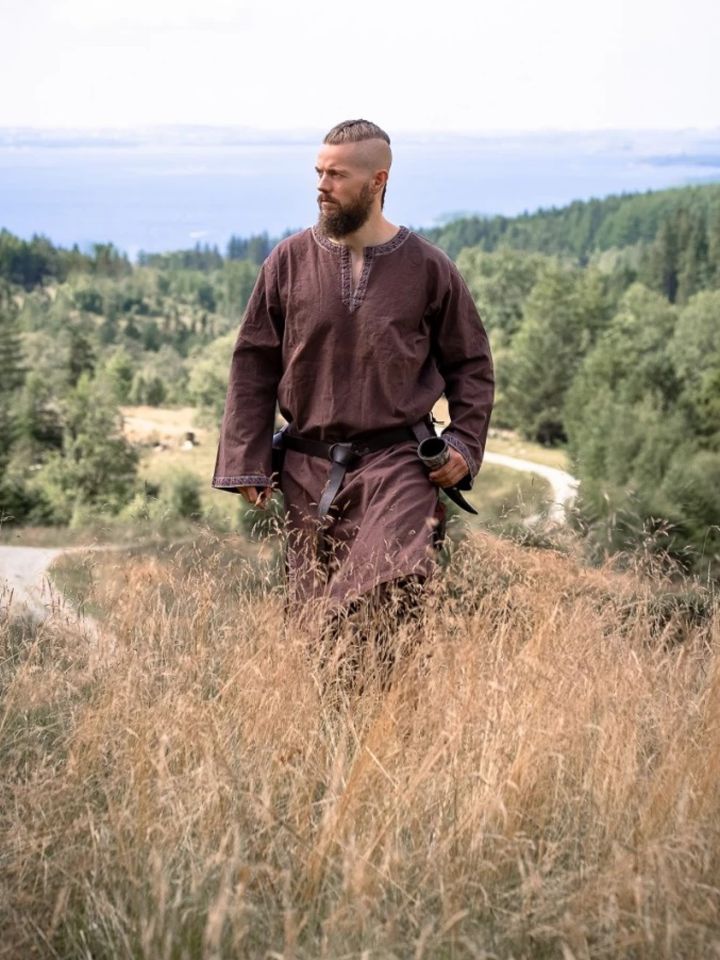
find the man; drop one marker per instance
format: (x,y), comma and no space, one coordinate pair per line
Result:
(355,328)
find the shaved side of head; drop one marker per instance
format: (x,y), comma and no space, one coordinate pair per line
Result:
(372,145)
(374,154)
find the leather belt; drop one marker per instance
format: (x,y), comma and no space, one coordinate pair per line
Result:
(344,453)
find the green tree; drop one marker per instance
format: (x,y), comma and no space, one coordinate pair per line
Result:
(117,374)
(108,261)
(662,262)
(12,372)
(182,494)
(642,420)
(500,283)
(207,384)
(81,354)
(238,282)
(205,295)
(562,316)
(692,487)
(37,413)
(695,353)
(628,365)
(170,369)
(96,466)
(88,297)
(693,266)
(147,388)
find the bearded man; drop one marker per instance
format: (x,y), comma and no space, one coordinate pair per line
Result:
(355,328)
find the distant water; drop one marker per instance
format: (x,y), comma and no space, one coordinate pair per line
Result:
(163,190)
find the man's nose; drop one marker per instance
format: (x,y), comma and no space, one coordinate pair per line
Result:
(323,183)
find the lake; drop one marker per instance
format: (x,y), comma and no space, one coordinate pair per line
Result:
(167,189)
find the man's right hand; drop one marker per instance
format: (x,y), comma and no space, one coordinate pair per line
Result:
(258,498)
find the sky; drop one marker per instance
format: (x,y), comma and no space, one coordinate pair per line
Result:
(409,65)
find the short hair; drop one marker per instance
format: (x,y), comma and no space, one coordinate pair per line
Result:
(355,131)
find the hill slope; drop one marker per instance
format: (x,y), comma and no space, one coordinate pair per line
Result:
(585,226)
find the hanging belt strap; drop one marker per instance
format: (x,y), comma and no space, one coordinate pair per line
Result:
(343,454)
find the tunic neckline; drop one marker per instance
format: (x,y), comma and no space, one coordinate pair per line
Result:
(353,298)
(377,250)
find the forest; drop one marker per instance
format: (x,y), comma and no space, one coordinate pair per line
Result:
(603,317)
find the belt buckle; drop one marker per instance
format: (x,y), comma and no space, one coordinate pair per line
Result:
(347,456)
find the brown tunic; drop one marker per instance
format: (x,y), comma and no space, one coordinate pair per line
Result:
(341,362)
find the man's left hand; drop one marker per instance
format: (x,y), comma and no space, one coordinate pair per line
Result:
(452,471)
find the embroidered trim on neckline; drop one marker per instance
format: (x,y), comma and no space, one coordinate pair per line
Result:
(376,251)
(353,298)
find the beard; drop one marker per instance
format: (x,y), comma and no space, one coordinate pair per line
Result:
(337,221)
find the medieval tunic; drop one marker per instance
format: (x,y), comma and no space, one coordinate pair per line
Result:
(343,362)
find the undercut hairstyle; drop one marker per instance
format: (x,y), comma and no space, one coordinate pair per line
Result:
(355,131)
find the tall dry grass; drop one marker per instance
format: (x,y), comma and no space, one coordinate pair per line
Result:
(541,781)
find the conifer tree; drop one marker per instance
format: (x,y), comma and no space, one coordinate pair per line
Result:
(12,371)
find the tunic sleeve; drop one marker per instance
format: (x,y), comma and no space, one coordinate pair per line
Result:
(245,445)
(462,352)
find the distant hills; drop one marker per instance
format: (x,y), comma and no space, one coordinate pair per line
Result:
(159,189)
(588,226)
(668,238)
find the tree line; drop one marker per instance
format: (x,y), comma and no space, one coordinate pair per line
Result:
(684,221)
(81,335)
(35,262)
(626,380)
(604,318)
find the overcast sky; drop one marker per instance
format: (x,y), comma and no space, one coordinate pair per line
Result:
(462,65)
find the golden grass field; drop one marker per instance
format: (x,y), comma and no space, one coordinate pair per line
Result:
(539,782)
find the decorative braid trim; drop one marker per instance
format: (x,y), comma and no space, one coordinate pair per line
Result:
(397,241)
(378,250)
(353,299)
(325,242)
(457,444)
(346,294)
(246,480)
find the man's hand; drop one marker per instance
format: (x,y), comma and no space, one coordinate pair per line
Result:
(452,471)
(258,498)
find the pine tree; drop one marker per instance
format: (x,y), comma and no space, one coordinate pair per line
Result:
(12,372)
(714,247)
(692,257)
(562,316)
(661,267)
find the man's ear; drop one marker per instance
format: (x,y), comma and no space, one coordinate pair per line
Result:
(380,178)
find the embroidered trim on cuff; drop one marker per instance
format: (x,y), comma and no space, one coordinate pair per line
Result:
(457,444)
(247,480)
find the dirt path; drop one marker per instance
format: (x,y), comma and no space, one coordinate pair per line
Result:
(25,584)
(564,485)
(23,579)
(26,588)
